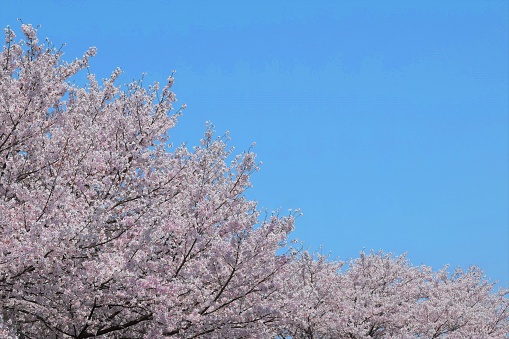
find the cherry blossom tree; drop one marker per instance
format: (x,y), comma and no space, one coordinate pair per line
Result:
(107,231)
(382,296)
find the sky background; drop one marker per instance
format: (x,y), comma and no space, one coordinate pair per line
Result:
(386,122)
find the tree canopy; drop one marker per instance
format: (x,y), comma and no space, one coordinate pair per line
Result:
(107,233)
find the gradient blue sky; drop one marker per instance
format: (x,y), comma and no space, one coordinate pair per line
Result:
(386,122)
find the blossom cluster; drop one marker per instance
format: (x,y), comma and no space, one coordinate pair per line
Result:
(383,296)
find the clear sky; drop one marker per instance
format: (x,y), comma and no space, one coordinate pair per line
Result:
(386,122)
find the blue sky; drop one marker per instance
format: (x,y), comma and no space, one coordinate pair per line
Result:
(385,122)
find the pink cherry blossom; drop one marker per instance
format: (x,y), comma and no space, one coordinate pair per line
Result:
(382,296)
(105,232)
